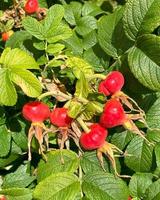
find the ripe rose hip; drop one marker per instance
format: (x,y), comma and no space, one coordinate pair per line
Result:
(112,84)
(102,89)
(6,35)
(113,114)
(35,111)
(59,117)
(31,6)
(95,138)
(2,197)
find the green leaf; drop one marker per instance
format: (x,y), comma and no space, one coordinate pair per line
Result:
(17,39)
(122,139)
(85,25)
(90,8)
(141,16)
(5,141)
(55,48)
(8,95)
(153,191)
(74,44)
(27,81)
(140,159)
(144,69)
(17,193)
(90,163)
(82,87)
(150,45)
(153,135)
(20,59)
(62,32)
(153,115)
(34,27)
(79,65)
(111,34)
(72,12)
(39,45)
(54,163)
(100,185)
(89,40)
(15,152)
(18,130)
(53,19)
(58,186)
(139,183)
(157,153)
(19,179)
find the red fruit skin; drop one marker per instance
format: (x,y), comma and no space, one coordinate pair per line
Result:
(31,6)
(60,118)
(35,111)
(95,138)
(2,197)
(113,114)
(6,35)
(114,82)
(102,89)
(129,198)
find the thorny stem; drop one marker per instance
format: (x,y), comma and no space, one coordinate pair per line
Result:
(83,125)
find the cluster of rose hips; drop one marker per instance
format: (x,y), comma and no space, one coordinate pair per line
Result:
(94,137)
(37,112)
(113,115)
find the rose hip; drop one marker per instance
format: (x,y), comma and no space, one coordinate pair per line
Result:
(35,111)
(59,117)
(6,35)
(95,138)
(31,6)
(113,114)
(112,84)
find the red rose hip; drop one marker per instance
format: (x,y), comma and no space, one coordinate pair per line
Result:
(112,84)
(59,117)
(95,138)
(113,114)
(6,35)
(102,89)
(31,6)
(35,111)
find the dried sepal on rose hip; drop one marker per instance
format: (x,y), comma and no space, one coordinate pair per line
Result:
(95,140)
(36,112)
(114,115)
(59,117)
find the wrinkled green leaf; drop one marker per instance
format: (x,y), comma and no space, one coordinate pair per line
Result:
(140,159)
(66,186)
(54,163)
(19,179)
(141,16)
(139,183)
(100,185)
